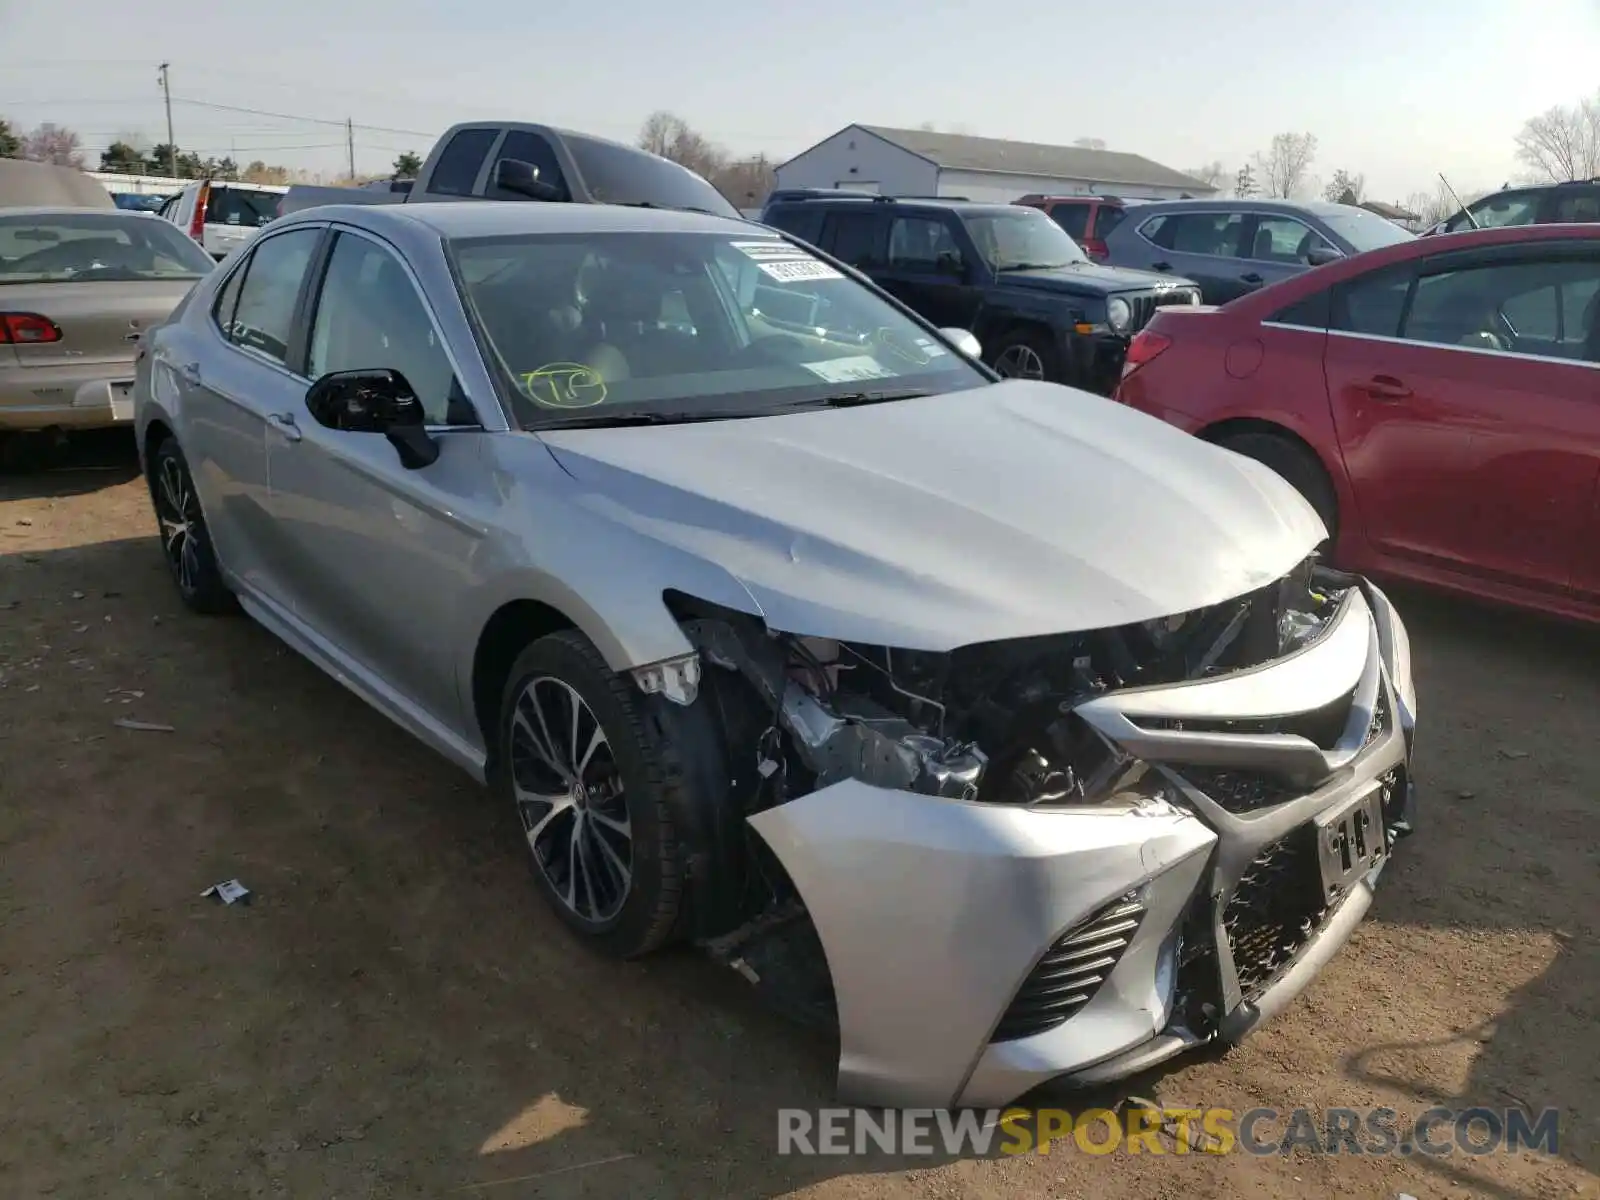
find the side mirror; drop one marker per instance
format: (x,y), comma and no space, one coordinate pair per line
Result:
(514,175)
(963,341)
(1321,256)
(375,401)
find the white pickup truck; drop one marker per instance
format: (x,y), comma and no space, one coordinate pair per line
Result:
(503,160)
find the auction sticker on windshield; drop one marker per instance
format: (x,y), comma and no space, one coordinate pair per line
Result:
(849,370)
(785,263)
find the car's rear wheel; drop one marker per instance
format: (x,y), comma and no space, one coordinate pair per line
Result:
(593,784)
(185,540)
(1295,464)
(1025,354)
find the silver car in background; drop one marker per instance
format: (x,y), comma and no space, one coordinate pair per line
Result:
(78,288)
(1015,732)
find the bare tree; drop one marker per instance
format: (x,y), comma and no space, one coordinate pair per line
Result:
(1345,188)
(1211,174)
(1439,204)
(1090,143)
(670,136)
(1283,168)
(1563,143)
(1244,184)
(53,144)
(259,172)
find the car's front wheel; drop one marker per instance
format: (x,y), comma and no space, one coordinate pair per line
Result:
(1026,354)
(185,540)
(593,783)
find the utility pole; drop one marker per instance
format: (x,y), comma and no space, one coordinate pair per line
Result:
(172,150)
(350,140)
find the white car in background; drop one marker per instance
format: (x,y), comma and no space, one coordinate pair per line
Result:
(223,215)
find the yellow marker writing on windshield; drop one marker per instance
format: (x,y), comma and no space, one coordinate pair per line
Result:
(565,385)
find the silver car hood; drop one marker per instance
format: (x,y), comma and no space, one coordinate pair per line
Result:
(1004,511)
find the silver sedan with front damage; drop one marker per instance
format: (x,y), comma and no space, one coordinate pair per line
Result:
(1016,733)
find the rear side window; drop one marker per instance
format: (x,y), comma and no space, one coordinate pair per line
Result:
(227,301)
(236,206)
(264,317)
(805,222)
(528,147)
(460,162)
(1496,212)
(1073,218)
(853,238)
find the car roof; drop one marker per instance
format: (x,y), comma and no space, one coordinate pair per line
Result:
(863,200)
(477,218)
(1320,208)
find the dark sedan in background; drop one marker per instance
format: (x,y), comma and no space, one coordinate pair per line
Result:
(1233,247)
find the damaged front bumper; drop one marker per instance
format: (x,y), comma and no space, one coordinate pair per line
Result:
(978,950)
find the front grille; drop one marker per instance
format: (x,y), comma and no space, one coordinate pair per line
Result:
(1071,971)
(1144,307)
(1275,910)
(1240,792)
(1322,727)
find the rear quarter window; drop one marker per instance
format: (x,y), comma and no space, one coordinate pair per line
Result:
(1107,219)
(1073,219)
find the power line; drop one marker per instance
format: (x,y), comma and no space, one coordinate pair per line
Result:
(261,112)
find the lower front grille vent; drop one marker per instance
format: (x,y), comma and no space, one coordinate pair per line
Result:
(1072,970)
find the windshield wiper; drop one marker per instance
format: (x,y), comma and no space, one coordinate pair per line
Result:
(1035,266)
(857,399)
(669,207)
(601,420)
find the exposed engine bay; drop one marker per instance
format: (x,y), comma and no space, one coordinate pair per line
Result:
(994,723)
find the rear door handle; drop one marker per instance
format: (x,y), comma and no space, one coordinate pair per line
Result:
(1251,277)
(190,373)
(1386,388)
(284,423)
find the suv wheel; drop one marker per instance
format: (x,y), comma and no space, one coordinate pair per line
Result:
(1024,354)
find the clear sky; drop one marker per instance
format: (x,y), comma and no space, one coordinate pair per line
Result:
(1397,89)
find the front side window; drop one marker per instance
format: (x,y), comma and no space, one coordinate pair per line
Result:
(1511,307)
(80,247)
(1285,240)
(369,315)
(923,244)
(1495,212)
(686,325)
(1373,303)
(1022,239)
(1213,233)
(264,315)
(1365,230)
(527,146)
(1576,205)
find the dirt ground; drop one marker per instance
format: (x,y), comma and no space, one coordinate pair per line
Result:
(398,1015)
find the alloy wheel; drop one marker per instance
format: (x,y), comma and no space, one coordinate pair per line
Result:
(570,797)
(178,511)
(1019,362)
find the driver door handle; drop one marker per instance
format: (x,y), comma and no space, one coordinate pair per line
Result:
(1251,277)
(190,372)
(284,423)
(1161,266)
(1386,388)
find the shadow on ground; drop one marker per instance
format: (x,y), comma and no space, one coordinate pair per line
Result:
(398,1014)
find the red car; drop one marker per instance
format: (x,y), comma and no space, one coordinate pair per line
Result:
(1086,219)
(1437,401)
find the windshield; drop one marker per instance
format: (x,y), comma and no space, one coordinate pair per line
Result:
(1364,230)
(688,325)
(1026,238)
(238,206)
(59,247)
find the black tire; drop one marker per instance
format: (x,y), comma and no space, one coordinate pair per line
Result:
(635,756)
(1023,342)
(1295,464)
(185,540)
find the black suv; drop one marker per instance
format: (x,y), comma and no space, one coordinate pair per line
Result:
(1575,201)
(1037,305)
